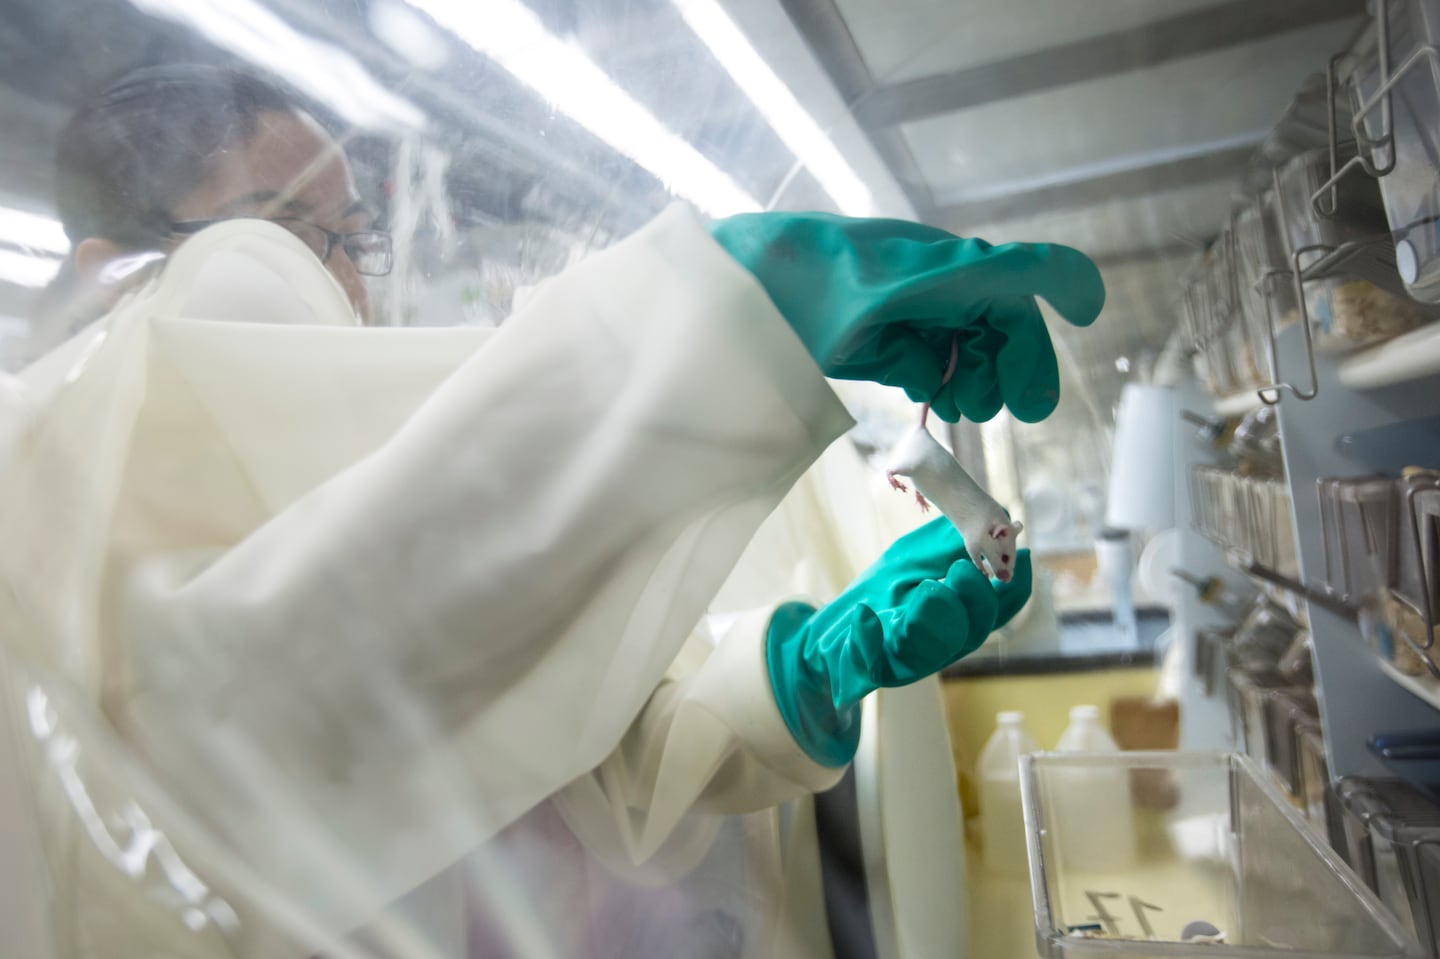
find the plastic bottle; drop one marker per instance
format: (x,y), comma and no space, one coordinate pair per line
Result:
(1002,817)
(1085,734)
(1095,817)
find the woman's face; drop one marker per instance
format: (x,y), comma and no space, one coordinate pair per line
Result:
(289,167)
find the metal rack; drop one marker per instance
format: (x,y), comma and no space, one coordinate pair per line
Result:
(1381,98)
(1376,389)
(1371,141)
(1359,696)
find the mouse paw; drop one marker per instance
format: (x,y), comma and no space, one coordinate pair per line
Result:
(895,482)
(924,503)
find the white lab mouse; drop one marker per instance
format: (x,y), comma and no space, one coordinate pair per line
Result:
(989,534)
(983,523)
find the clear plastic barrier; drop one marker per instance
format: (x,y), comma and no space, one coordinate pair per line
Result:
(324,328)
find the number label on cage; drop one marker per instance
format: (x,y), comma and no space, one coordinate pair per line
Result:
(1111,922)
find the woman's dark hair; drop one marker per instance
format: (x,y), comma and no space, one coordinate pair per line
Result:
(140,147)
(131,154)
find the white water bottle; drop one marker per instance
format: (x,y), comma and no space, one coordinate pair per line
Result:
(1002,817)
(1095,818)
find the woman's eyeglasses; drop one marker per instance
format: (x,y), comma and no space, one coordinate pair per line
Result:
(370,250)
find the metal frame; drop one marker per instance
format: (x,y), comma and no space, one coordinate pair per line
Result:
(1381,98)
(825,31)
(1020,199)
(1270,395)
(1147,45)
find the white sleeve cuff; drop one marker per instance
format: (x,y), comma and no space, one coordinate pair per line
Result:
(735,685)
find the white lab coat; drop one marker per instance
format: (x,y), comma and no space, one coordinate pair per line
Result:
(300,617)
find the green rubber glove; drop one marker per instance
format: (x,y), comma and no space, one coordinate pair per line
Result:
(920,607)
(882,300)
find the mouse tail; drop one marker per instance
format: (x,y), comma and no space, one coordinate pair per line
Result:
(945,377)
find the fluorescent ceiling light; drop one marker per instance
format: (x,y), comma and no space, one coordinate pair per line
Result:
(408,34)
(790,121)
(320,70)
(33,231)
(23,269)
(507,32)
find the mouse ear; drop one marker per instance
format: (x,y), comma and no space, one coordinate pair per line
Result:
(1018,528)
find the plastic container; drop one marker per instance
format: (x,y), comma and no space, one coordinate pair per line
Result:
(1263,638)
(1224,280)
(1412,604)
(1002,821)
(1345,312)
(1256,444)
(1250,691)
(1206,484)
(1275,526)
(1246,369)
(1260,253)
(1235,680)
(1227,283)
(1208,324)
(1289,711)
(1257,526)
(1411,190)
(1314,776)
(1233,511)
(1365,516)
(1102,800)
(1085,734)
(1250,514)
(1232,853)
(1359,212)
(1394,832)
(1210,312)
(1335,824)
(1373,558)
(1287,558)
(1209,655)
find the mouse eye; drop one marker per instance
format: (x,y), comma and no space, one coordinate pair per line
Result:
(1004,557)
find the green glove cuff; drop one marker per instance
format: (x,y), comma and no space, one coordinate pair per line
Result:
(828,735)
(883,300)
(913,613)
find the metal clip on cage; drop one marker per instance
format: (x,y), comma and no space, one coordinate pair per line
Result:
(1270,395)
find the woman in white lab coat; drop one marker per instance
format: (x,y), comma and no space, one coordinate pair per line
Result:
(383,642)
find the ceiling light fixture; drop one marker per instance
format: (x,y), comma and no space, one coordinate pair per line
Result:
(25,269)
(33,231)
(317,69)
(791,122)
(510,34)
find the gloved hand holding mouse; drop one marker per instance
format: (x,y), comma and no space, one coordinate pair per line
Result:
(955,323)
(920,607)
(883,300)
